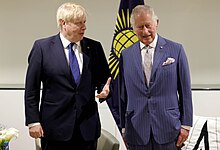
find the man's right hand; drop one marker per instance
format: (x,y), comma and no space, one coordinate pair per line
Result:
(36,131)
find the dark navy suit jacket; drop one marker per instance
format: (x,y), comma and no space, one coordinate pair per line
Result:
(62,102)
(163,106)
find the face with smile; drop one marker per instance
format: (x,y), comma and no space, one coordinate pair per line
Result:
(144,27)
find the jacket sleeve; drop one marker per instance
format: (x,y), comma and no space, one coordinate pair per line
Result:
(184,90)
(102,70)
(123,95)
(32,85)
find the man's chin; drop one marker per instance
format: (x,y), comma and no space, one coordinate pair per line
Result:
(147,41)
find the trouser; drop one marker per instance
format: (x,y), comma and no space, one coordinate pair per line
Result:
(153,145)
(75,143)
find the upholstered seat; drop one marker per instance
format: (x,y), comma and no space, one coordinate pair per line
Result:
(107,141)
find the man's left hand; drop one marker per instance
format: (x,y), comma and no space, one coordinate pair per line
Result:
(184,133)
(105,91)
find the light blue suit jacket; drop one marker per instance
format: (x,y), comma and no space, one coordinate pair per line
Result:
(163,106)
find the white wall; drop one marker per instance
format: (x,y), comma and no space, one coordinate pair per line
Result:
(12,115)
(194,23)
(206,103)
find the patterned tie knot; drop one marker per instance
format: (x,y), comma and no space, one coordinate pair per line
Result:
(149,49)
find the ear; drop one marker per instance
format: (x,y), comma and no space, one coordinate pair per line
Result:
(157,23)
(62,22)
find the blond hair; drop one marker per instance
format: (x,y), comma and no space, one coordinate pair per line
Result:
(69,12)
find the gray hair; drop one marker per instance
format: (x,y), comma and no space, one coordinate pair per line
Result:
(69,12)
(143,8)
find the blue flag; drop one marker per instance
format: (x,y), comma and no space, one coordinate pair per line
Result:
(123,38)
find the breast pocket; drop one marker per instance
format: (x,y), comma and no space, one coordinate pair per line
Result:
(167,74)
(168,66)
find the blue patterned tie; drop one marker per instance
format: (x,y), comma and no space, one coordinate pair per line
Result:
(74,66)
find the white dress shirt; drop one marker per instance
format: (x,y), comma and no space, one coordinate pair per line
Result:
(76,48)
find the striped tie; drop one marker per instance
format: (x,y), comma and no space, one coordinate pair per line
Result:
(148,64)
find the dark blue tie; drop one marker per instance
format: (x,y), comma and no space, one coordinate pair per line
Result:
(74,66)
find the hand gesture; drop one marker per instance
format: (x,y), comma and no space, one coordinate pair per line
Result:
(105,91)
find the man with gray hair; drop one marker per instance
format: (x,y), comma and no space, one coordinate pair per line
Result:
(156,99)
(70,68)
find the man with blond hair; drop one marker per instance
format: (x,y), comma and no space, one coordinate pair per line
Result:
(70,68)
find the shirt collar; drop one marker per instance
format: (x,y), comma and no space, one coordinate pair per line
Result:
(66,42)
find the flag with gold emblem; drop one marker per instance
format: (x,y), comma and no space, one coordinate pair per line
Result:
(123,37)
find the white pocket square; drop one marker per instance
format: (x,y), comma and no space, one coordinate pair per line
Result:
(169,60)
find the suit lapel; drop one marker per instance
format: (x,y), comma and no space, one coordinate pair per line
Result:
(158,55)
(136,53)
(86,57)
(57,47)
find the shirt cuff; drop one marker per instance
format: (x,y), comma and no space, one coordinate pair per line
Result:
(33,124)
(123,130)
(185,127)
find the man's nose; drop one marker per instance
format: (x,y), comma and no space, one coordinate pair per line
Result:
(83,26)
(145,29)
